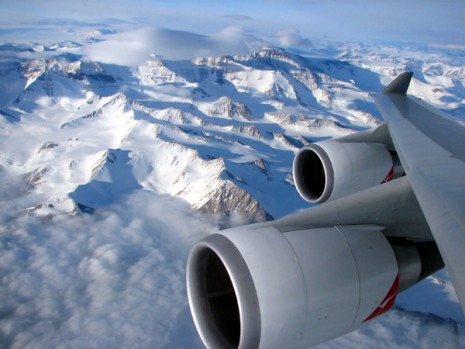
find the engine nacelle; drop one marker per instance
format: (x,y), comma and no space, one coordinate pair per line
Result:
(331,169)
(255,287)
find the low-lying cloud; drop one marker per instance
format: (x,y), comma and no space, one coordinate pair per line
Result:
(114,279)
(132,48)
(292,38)
(135,47)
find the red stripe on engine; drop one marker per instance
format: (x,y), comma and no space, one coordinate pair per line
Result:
(387,302)
(389,176)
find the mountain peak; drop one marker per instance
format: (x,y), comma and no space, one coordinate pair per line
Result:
(201,130)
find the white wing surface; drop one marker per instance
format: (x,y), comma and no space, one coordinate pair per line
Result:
(431,147)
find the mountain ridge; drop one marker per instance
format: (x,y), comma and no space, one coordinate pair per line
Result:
(204,129)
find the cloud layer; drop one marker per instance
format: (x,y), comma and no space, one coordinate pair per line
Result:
(135,47)
(111,280)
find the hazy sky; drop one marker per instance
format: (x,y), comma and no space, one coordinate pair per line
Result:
(425,21)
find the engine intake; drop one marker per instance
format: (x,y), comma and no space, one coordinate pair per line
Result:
(329,170)
(255,287)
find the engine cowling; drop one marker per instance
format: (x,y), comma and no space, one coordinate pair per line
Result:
(255,287)
(329,170)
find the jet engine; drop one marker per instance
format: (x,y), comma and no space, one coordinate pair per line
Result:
(257,287)
(331,169)
(322,272)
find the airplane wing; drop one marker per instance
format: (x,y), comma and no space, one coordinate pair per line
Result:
(431,148)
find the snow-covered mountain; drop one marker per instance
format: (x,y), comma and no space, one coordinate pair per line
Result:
(219,133)
(132,153)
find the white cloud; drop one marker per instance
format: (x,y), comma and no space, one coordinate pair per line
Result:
(135,47)
(292,38)
(111,280)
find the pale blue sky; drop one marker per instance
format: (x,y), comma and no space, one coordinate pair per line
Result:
(421,21)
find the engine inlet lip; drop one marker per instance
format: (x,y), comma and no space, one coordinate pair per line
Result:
(301,182)
(244,288)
